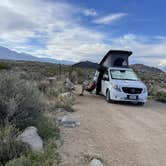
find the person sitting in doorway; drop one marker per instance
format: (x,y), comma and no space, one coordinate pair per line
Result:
(88,87)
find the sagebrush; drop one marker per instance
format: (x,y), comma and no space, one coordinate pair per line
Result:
(20,101)
(161,96)
(49,157)
(47,127)
(10,147)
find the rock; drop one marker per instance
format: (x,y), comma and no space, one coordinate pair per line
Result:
(60,109)
(96,162)
(52,79)
(31,137)
(69,84)
(66,94)
(68,122)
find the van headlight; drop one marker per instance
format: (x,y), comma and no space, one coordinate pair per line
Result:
(117,87)
(145,90)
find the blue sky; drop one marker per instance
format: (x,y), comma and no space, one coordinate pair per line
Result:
(84,29)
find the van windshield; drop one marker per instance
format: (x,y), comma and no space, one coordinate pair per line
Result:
(124,75)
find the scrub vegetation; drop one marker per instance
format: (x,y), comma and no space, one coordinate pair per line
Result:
(31,91)
(27,98)
(155,80)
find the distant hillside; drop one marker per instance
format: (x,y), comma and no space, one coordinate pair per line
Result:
(154,78)
(138,67)
(164,68)
(144,68)
(33,70)
(86,64)
(8,54)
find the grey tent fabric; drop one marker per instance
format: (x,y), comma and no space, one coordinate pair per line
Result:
(116,58)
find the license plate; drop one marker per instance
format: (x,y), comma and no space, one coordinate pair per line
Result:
(133,97)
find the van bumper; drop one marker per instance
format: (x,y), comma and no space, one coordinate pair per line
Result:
(121,96)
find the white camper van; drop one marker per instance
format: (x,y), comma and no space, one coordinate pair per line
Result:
(117,81)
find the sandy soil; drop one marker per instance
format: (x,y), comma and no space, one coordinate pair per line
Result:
(119,134)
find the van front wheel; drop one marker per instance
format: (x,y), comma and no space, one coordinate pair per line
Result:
(140,103)
(108,96)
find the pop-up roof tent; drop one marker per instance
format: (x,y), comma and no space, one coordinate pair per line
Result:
(116,58)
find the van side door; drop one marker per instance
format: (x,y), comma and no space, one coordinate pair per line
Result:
(105,82)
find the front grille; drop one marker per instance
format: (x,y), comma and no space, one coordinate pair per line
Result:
(132,90)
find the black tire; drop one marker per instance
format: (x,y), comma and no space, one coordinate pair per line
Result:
(97,93)
(140,103)
(108,96)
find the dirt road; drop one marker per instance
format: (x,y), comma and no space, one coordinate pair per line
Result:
(119,134)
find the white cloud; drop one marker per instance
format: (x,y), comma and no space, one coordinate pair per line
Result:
(33,17)
(90,12)
(162,62)
(77,44)
(153,54)
(54,30)
(49,29)
(108,19)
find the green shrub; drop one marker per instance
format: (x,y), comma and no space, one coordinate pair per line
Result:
(20,101)
(4,66)
(10,147)
(52,92)
(66,99)
(47,128)
(161,96)
(65,102)
(68,108)
(49,157)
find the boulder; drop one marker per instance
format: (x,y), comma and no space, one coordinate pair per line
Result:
(69,84)
(31,137)
(96,162)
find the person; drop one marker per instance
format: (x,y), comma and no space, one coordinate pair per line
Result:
(89,87)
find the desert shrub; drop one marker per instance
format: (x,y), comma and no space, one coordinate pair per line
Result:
(43,85)
(10,147)
(47,127)
(48,157)
(79,75)
(161,96)
(4,66)
(66,102)
(20,101)
(52,92)
(66,99)
(68,108)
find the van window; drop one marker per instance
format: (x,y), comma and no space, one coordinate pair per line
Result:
(106,76)
(123,75)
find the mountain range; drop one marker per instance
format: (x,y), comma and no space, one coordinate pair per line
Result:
(8,54)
